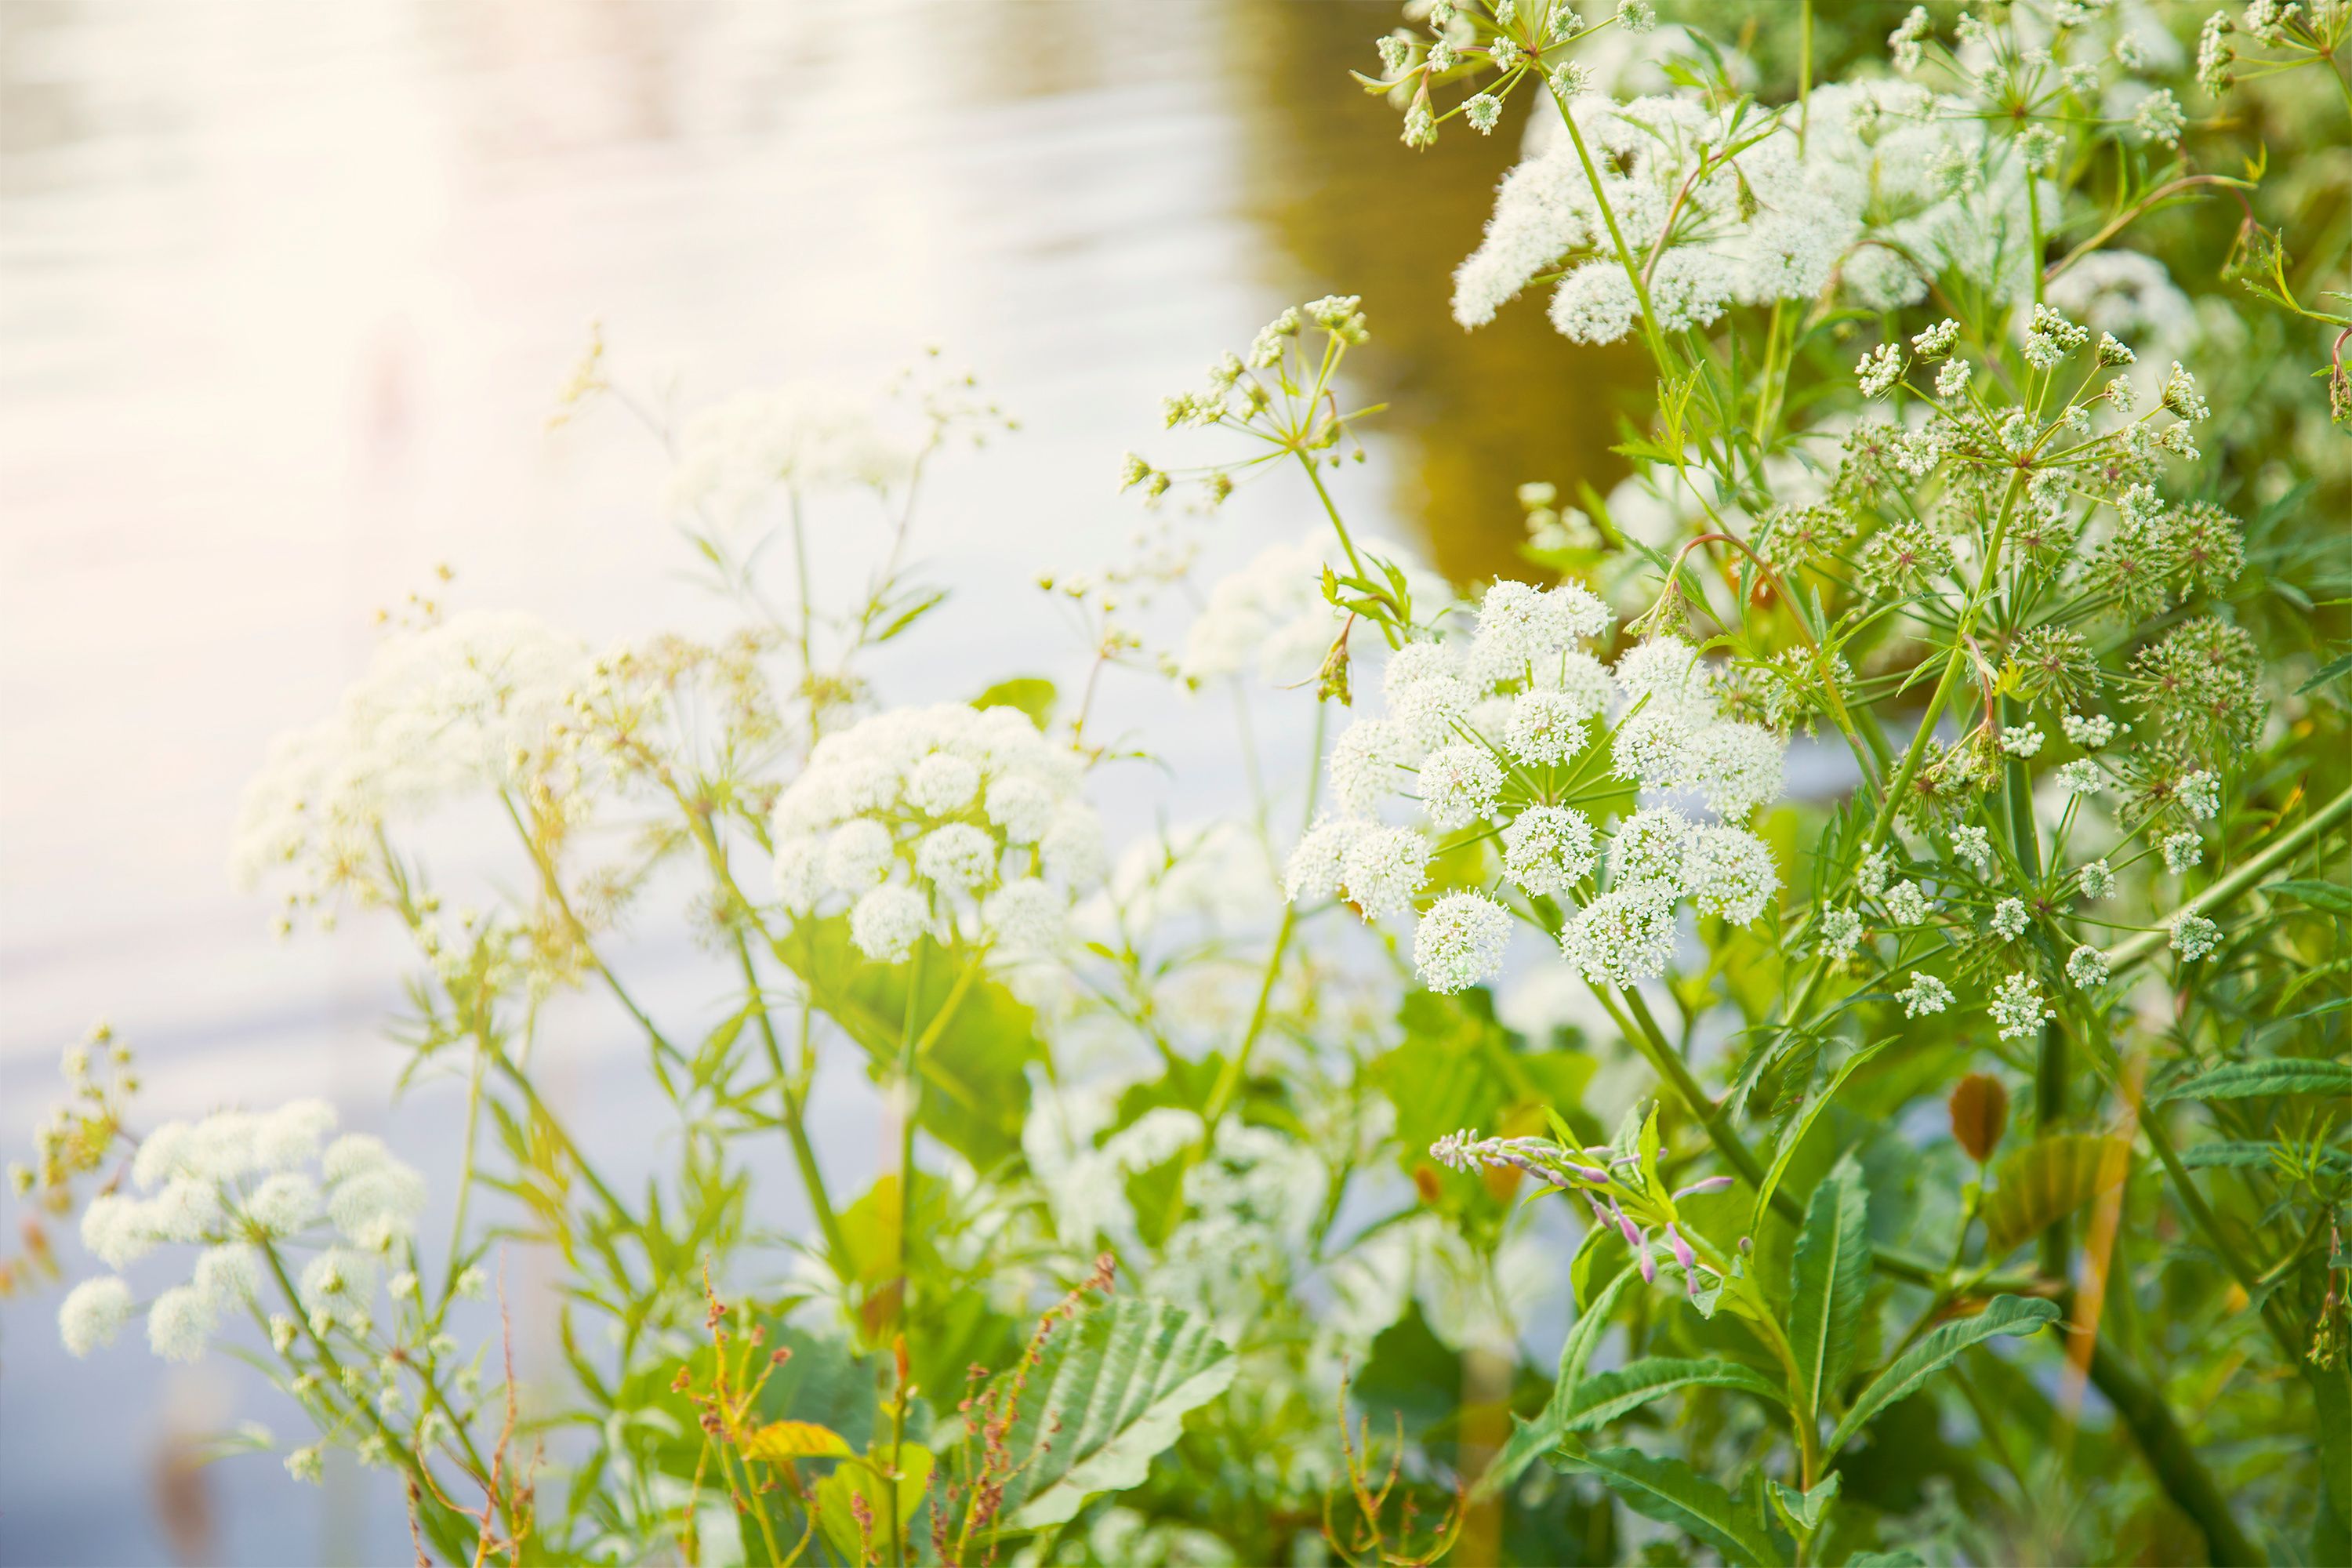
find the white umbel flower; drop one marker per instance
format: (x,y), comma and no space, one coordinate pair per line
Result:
(1623,936)
(1458,785)
(1029,916)
(1653,750)
(1366,765)
(292,1134)
(283,1203)
(1649,849)
(179,1323)
(885,923)
(1548,850)
(229,1276)
(1313,869)
(858,854)
(2017,1008)
(1383,868)
(1460,941)
(1546,727)
(957,857)
(2087,967)
(1729,872)
(1924,996)
(118,1229)
(2193,936)
(1672,674)
(1736,767)
(93,1313)
(942,784)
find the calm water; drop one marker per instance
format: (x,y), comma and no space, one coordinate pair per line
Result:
(285,292)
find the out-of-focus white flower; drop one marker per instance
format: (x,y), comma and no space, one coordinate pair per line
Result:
(738,459)
(885,923)
(1736,767)
(439,710)
(1270,617)
(93,1313)
(179,1323)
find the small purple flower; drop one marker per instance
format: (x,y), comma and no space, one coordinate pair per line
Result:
(1625,1227)
(1711,1185)
(1683,1253)
(1597,1176)
(1649,1264)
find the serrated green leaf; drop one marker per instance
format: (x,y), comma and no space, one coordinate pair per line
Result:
(2334,667)
(1110,1390)
(1827,1279)
(1803,1124)
(1666,1490)
(2041,1184)
(2239,1155)
(1604,1396)
(2280,1075)
(2003,1315)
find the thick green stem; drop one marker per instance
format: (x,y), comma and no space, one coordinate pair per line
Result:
(2123,954)
(2168,1453)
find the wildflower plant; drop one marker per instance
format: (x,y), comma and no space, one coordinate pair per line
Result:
(1946,712)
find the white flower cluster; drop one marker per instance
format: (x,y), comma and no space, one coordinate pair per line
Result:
(1501,733)
(231,1184)
(1892,186)
(738,458)
(1271,617)
(454,705)
(944,820)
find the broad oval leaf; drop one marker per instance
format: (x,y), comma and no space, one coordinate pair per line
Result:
(780,1441)
(2046,1181)
(1979,1109)
(1671,1493)
(2002,1315)
(1110,1390)
(1605,1396)
(1827,1279)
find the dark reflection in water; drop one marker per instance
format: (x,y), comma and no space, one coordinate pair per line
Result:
(1349,204)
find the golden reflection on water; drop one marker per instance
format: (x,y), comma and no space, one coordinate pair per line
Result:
(285,290)
(1345,200)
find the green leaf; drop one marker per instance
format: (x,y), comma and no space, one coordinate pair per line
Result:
(1604,1397)
(1530,1438)
(976,1086)
(1827,1279)
(1032,694)
(2003,1315)
(1673,1493)
(2334,667)
(867,1479)
(1805,1510)
(1108,1392)
(2275,1158)
(2331,1394)
(1803,1124)
(1904,1559)
(2332,896)
(2280,1075)
(2041,1184)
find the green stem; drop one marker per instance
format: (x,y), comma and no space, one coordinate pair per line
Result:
(1616,238)
(2126,953)
(1331,511)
